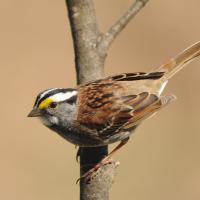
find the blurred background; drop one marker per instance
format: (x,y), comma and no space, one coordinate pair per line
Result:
(161,161)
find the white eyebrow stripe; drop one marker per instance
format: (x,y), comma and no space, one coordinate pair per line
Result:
(63,96)
(46,92)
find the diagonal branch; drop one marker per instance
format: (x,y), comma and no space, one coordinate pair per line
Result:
(108,37)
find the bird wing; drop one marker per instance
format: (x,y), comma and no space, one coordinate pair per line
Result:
(105,107)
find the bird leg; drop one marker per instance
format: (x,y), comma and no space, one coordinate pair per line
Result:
(104,161)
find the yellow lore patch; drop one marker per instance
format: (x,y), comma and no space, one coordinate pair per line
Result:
(45,103)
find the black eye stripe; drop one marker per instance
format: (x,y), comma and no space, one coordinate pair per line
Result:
(40,96)
(71,100)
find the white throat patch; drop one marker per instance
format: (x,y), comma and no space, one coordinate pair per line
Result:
(49,121)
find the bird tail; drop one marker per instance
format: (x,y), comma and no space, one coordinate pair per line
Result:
(180,61)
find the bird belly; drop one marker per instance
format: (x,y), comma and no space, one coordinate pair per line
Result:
(78,139)
(84,139)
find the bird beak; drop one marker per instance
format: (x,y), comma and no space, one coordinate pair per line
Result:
(36,112)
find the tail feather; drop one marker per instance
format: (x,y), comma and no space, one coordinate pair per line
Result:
(180,61)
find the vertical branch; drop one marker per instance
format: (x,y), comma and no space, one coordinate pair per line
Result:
(90,47)
(89,66)
(89,61)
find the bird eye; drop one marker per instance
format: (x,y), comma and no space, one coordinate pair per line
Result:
(53,105)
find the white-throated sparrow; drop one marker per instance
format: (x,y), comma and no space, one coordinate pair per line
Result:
(105,111)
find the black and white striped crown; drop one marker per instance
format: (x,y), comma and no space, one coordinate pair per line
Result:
(56,94)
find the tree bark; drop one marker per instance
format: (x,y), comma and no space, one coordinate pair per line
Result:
(89,61)
(90,48)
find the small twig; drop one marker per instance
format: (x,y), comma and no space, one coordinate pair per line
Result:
(107,38)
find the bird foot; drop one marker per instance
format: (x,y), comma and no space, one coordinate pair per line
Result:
(89,174)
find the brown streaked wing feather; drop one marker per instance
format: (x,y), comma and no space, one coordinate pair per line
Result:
(102,110)
(148,109)
(144,110)
(142,106)
(128,77)
(98,104)
(137,76)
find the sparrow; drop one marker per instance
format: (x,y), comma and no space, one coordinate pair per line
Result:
(108,110)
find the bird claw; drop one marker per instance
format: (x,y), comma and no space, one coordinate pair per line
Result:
(78,154)
(88,175)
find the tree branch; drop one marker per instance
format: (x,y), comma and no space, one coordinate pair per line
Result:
(108,37)
(89,62)
(89,66)
(90,47)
